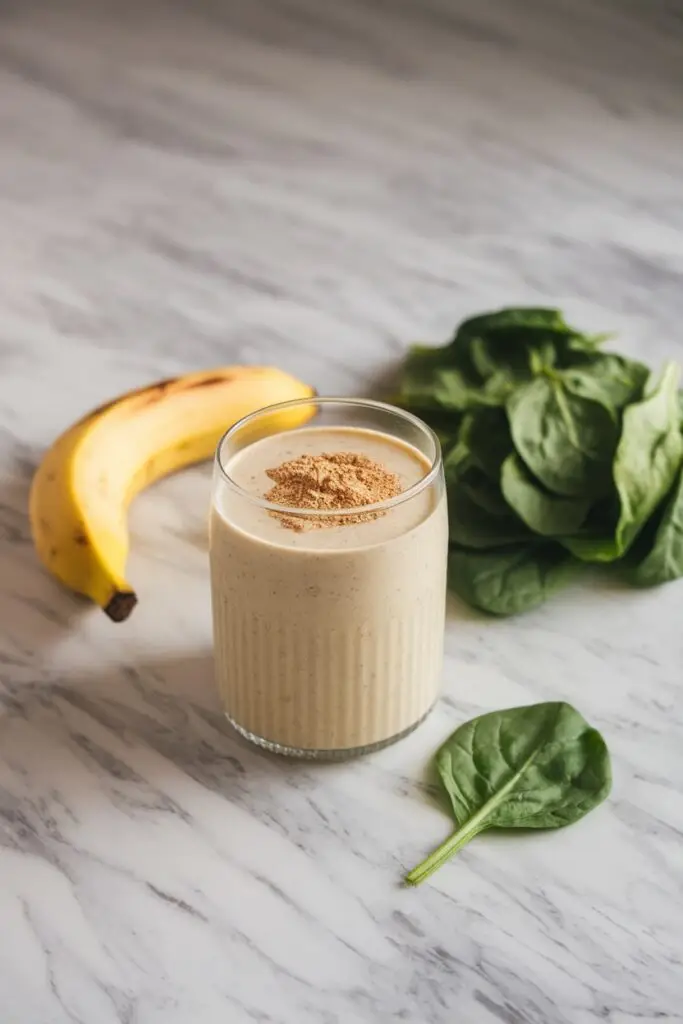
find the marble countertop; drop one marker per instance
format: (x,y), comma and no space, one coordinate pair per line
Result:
(316,185)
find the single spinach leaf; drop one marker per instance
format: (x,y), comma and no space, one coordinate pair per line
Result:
(514,354)
(423,385)
(645,466)
(541,766)
(471,525)
(463,472)
(543,512)
(450,390)
(512,317)
(595,538)
(606,378)
(497,389)
(664,559)
(482,490)
(432,381)
(568,442)
(486,433)
(511,579)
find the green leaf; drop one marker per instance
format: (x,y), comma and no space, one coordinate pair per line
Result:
(462,471)
(420,378)
(430,380)
(664,559)
(508,580)
(568,442)
(487,357)
(519,342)
(450,390)
(606,378)
(484,492)
(512,317)
(478,515)
(445,424)
(515,354)
(543,512)
(645,466)
(523,352)
(471,525)
(541,766)
(486,433)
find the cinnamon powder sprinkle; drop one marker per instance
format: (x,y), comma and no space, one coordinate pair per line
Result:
(332,480)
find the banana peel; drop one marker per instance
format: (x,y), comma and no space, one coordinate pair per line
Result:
(83,487)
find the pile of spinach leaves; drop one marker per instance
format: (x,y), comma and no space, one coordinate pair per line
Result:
(556,452)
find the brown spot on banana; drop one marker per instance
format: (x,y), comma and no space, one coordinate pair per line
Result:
(149,393)
(152,394)
(208,382)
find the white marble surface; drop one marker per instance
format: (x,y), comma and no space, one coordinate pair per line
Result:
(317,184)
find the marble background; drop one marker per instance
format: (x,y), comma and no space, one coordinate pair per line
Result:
(316,185)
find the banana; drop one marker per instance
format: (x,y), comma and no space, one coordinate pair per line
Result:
(83,486)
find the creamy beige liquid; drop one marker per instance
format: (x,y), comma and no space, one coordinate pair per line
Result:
(328,639)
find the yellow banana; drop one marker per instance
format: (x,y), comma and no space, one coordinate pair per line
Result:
(85,482)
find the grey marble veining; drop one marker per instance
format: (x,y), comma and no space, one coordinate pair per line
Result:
(316,185)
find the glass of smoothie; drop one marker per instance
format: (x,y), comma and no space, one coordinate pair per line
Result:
(328,546)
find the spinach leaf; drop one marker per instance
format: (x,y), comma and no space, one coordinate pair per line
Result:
(543,512)
(645,466)
(471,525)
(568,442)
(450,390)
(484,492)
(606,378)
(524,352)
(511,579)
(486,433)
(461,471)
(664,559)
(512,318)
(519,342)
(540,766)
(431,380)
(488,356)
(464,472)
(515,354)
(423,385)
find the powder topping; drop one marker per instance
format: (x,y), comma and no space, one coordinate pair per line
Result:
(334,480)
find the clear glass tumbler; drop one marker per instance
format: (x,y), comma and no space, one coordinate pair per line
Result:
(328,641)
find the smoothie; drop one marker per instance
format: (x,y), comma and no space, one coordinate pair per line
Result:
(328,640)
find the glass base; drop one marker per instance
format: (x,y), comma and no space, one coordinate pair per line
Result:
(307,754)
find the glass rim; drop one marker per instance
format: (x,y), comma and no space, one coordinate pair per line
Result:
(313,513)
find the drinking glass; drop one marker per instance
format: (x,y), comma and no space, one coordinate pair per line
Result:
(328,642)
